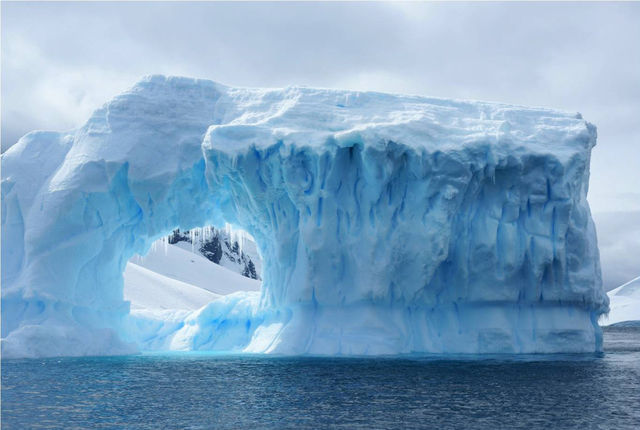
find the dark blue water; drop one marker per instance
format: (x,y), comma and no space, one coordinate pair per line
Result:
(196,391)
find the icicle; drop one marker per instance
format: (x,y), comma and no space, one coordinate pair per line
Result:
(243,238)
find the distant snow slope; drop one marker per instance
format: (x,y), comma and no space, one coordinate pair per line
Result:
(231,248)
(146,289)
(624,303)
(170,277)
(180,264)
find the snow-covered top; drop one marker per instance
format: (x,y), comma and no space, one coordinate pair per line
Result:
(177,117)
(315,117)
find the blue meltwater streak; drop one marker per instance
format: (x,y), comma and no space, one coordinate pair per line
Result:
(221,391)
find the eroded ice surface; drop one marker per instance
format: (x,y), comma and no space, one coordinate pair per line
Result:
(387,224)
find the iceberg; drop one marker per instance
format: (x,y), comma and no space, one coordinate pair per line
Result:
(388,224)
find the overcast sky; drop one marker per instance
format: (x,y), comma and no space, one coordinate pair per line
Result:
(61,61)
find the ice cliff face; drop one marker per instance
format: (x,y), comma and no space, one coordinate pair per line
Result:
(387,224)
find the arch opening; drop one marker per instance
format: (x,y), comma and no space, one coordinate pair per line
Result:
(183,272)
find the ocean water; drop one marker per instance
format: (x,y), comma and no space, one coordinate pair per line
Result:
(196,391)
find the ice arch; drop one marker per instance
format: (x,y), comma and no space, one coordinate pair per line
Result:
(388,224)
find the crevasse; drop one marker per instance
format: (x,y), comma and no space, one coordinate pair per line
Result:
(388,224)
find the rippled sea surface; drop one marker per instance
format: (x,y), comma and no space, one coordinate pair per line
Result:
(207,391)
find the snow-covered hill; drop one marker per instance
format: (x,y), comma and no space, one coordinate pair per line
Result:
(146,289)
(175,276)
(624,303)
(234,249)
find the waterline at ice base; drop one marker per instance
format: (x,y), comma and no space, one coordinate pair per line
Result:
(387,224)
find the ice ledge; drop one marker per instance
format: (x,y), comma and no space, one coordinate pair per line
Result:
(363,329)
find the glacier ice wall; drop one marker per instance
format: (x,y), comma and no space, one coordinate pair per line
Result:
(388,224)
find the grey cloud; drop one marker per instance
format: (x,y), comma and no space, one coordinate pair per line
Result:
(61,60)
(619,243)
